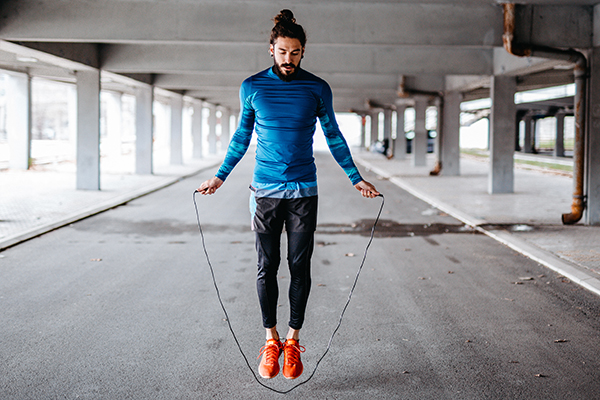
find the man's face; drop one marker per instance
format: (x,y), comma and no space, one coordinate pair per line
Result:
(287,54)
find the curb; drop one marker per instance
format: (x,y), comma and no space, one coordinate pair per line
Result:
(533,252)
(97,209)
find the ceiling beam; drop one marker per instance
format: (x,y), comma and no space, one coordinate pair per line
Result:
(346,22)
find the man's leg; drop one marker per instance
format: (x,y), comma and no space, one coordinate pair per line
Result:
(300,250)
(268,226)
(269,257)
(301,223)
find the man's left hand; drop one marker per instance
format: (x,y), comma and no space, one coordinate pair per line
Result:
(366,189)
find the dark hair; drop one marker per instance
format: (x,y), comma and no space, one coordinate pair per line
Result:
(286,26)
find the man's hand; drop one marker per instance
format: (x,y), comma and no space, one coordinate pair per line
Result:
(210,186)
(366,189)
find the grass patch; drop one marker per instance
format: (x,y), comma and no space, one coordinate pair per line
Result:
(540,164)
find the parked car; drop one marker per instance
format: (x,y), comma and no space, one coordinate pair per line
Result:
(431,135)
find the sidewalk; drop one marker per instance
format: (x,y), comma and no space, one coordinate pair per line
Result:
(38,201)
(528,221)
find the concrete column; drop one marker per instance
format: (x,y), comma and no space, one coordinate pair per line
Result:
(450,152)
(374,128)
(559,143)
(72,118)
(400,142)
(592,189)
(197,150)
(502,135)
(18,120)
(144,129)
(387,127)
(88,130)
(528,134)
(419,143)
(111,143)
(236,120)
(225,127)
(363,130)
(212,128)
(176,151)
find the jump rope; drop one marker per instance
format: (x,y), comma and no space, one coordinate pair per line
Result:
(212,272)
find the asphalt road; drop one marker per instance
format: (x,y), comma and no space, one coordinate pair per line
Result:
(121,306)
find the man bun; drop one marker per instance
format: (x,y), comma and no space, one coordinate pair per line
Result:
(284,16)
(286,26)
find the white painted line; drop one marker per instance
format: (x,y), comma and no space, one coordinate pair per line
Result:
(541,256)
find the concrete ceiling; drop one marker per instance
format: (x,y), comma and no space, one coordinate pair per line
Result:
(364,49)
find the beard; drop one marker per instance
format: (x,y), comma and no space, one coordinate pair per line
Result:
(284,76)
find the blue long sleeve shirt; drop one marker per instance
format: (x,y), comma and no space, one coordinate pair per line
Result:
(283,115)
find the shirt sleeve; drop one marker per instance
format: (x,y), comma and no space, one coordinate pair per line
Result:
(335,140)
(240,140)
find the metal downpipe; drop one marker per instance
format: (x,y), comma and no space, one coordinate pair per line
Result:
(580,72)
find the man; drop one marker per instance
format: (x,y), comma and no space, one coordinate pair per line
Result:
(281,105)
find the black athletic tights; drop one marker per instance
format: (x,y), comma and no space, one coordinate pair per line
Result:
(300,249)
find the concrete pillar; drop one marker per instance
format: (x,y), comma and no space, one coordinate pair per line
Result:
(559,143)
(450,148)
(197,149)
(236,120)
(502,135)
(363,130)
(88,130)
(528,134)
(592,189)
(18,120)
(225,127)
(212,128)
(72,118)
(419,143)
(400,142)
(144,129)
(111,143)
(176,147)
(387,127)
(374,128)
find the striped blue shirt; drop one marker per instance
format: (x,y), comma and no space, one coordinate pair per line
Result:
(283,115)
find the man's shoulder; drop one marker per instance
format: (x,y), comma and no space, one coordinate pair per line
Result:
(309,76)
(259,75)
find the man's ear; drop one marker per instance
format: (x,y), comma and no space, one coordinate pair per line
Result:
(302,53)
(271,49)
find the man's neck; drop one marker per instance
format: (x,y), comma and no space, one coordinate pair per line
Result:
(284,77)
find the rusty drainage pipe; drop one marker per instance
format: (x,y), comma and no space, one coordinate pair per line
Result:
(580,73)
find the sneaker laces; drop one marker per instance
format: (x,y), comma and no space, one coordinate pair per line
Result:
(292,352)
(271,352)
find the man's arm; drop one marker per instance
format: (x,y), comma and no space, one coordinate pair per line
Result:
(237,146)
(338,145)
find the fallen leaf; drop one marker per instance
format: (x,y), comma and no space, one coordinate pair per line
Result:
(526,278)
(450,272)
(518,283)
(321,284)
(422,278)
(540,375)
(96,259)
(561,341)
(405,372)
(508,299)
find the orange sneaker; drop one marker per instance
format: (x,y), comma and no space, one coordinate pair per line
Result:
(269,364)
(292,366)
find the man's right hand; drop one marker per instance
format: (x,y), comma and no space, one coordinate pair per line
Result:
(210,186)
